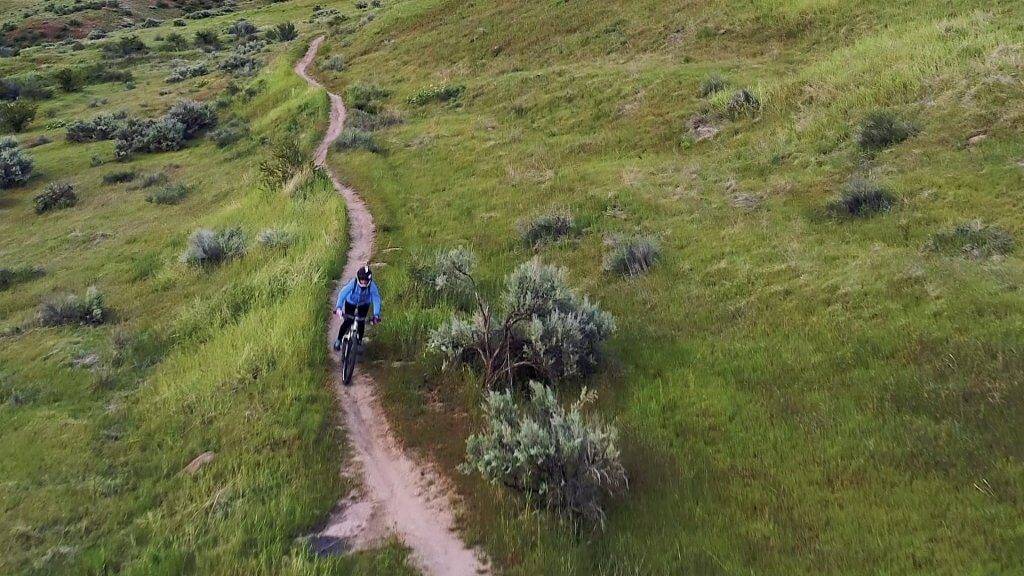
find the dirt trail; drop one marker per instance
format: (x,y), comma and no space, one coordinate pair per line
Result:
(398,496)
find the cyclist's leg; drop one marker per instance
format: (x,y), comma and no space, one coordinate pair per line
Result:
(361,314)
(346,323)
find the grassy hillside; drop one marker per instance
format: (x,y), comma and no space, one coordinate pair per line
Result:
(798,391)
(98,422)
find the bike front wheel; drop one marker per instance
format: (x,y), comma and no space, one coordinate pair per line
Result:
(349,361)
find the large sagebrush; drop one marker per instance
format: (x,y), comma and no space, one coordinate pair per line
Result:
(540,326)
(194,116)
(55,196)
(554,457)
(208,247)
(15,165)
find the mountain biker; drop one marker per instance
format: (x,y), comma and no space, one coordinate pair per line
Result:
(355,300)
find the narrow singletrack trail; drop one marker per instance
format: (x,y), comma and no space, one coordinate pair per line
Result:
(399,496)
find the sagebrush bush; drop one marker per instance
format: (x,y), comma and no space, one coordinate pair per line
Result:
(366,97)
(882,129)
(283,32)
(240,65)
(9,89)
(35,87)
(230,132)
(16,115)
(168,194)
(973,239)
(125,46)
(182,73)
(55,196)
(15,166)
(448,273)
(72,309)
(194,116)
(119,177)
(275,238)
(148,135)
(439,93)
(149,180)
(554,457)
(540,326)
(208,247)
(711,85)
(242,29)
(10,277)
(862,198)
(69,79)
(335,63)
(207,39)
(550,227)
(632,255)
(354,139)
(102,127)
(361,120)
(742,102)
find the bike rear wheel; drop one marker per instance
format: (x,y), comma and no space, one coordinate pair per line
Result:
(349,360)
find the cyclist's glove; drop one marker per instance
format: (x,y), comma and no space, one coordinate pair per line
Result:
(375,320)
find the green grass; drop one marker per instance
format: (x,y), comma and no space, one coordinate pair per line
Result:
(98,423)
(796,393)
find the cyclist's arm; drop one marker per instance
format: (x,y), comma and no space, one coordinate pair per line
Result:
(375,297)
(344,294)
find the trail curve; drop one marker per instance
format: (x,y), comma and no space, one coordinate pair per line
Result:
(399,495)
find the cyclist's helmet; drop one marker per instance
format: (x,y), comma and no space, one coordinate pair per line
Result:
(364,274)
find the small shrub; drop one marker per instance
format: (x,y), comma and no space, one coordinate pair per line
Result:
(17,115)
(546,228)
(35,87)
(9,90)
(38,141)
(102,127)
(55,196)
(862,198)
(973,239)
(632,255)
(168,195)
(151,23)
(882,129)
(448,274)
(175,42)
(742,102)
(230,132)
(150,180)
(179,22)
(366,97)
(207,247)
(360,120)
(353,139)
(119,177)
(240,65)
(275,238)
(335,64)
(242,29)
(15,166)
(69,79)
(125,46)
(182,73)
(556,458)
(148,135)
(711,85)
(96,34)
(284,32)
(194,116)
(9,277)
(440,93)
(207,39)
(73,309)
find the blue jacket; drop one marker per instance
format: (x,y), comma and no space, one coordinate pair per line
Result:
(356,295)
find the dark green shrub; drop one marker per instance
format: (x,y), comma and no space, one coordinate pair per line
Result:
(15,116)
(175,42)
(862,198)
(353,139)
(440,93)
(128,45)
(119,177)
(632,255)
(550,227)
(35,87)
(556,458)
(168,195)
(284,32)
(711,85)
(207,247)
(974,240)
(882,129)
(102,127)
(15,165)
(55,196)
(72,309)
(242,29)
(9,90)
(366,97)
(69,79)
(9,277)
(148,135)
(240,65)
(194,116)
(207,39)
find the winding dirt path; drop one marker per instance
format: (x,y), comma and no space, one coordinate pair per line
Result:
(399,496)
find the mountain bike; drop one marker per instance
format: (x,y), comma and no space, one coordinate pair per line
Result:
(350,344)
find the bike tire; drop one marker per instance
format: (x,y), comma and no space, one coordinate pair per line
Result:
(349,366)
